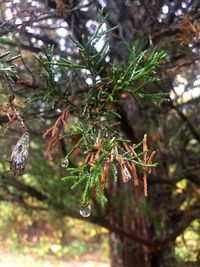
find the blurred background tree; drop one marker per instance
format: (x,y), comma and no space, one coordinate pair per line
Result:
(152,231)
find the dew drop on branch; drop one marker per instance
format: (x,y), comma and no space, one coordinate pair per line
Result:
(85,210)
(65,163)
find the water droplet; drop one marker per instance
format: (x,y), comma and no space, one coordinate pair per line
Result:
(65,163)
(85,210)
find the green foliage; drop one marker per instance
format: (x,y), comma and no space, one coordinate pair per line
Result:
(49,87)
(8,73)
(135,74)
(106,150)
(100,137)
(102,152)
(6,64)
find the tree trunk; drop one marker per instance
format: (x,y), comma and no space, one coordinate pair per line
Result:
(129,253)
(126,252)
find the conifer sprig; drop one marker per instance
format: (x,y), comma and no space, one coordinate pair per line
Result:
(8,73)
(100,142)
(105,152)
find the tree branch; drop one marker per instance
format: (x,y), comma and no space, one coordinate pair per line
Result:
(193,130)
(188,216)
(31,191)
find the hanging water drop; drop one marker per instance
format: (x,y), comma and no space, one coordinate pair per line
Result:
(65,163)
(85,210)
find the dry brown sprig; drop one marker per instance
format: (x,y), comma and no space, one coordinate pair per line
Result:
(126,176)
(131,164)
(133,170)
(55,131)
(13,114)
(189,30)
(103,178)
(62,9)
(144,161)
(127,168)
